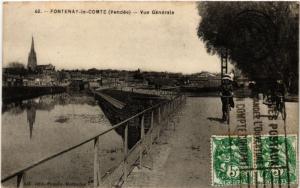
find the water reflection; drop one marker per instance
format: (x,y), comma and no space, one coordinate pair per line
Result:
(36,128)
(31,113)
(48,102)
(45,103)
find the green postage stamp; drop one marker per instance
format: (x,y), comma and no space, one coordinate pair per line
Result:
(236,160)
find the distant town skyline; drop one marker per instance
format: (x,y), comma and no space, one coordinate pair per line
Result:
(123,42)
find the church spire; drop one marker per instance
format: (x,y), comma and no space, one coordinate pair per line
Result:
(32,44)
(32,62)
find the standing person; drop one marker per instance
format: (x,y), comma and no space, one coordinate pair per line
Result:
(226,93)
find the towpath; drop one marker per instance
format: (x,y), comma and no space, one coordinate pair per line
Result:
(182,157)
(116,103)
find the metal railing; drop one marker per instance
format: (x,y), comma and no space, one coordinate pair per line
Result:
(159,112)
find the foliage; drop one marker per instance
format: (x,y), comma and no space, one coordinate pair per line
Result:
(15,68)
(260,38)
(16,65)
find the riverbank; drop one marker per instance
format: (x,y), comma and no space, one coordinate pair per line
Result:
(26,92)
(134,103)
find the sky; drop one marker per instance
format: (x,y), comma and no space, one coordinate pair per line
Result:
(83,41)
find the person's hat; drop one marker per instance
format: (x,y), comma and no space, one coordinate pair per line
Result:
(226,77)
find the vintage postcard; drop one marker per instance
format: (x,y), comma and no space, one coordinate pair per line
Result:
(150,94)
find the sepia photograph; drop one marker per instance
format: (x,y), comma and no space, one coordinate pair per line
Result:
(150,94)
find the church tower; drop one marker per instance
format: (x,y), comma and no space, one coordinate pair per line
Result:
(32,63)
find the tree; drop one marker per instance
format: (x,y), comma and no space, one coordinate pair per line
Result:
(15,68)
(260,38)
(16,64)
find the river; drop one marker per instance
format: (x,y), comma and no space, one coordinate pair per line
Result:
(36,128)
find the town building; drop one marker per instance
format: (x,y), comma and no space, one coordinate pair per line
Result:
(45,69)
(204,80)
(9,80)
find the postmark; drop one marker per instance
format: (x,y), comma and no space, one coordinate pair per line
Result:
(279,160)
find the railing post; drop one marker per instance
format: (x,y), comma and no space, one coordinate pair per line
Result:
(21,180)
(167,114)
(125,151)
(172,106)
(166,109)
(97,176)
(142,140)
(151,128)
(163,110)
(159,126)
(161,113)
(158,115)
(181,100)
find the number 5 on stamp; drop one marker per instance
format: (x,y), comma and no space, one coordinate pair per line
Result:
(231,157)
